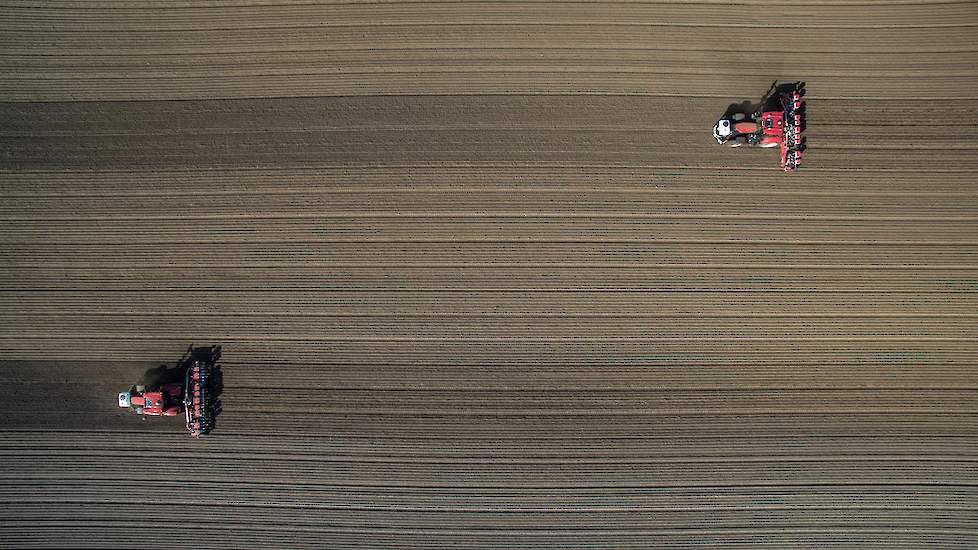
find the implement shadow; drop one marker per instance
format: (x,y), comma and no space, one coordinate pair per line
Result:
(163,374)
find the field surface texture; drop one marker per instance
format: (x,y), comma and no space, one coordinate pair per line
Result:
(482,277)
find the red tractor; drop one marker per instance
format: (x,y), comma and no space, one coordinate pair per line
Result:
(164,400)
(194,396)
(778,122)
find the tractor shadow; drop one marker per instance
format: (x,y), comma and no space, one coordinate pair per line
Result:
(164,374)
(741,111)
(747,110)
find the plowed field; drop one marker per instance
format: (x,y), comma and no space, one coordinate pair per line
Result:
(482,277)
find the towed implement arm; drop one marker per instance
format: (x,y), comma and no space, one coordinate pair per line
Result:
(199,398)
(792,143)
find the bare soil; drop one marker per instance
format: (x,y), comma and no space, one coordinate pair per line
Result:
(483,279)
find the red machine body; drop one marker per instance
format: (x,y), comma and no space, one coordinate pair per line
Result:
(760,129)
(786,127)
(196,397)
(166,401)
(771,124)
(779,123)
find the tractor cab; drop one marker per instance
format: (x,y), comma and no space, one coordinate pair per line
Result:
(153,403)
(772,123)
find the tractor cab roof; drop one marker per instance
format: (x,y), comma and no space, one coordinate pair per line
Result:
(154,403)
